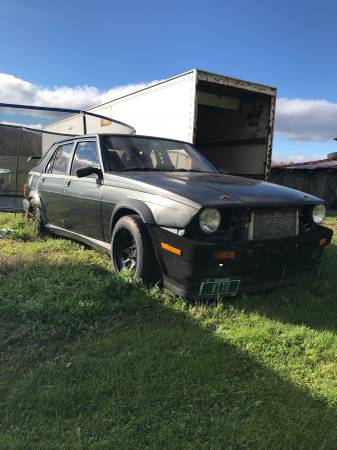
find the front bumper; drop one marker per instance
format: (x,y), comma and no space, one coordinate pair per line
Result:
(259,265)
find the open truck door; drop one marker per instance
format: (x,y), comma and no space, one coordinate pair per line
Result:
(22,146)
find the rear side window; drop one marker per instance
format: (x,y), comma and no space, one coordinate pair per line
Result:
(49,166)
(86,155)
(60,161)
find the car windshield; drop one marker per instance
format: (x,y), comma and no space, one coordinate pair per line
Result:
(131,153)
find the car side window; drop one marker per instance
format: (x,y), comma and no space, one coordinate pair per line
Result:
(86,154)
(61,159)
(49,166)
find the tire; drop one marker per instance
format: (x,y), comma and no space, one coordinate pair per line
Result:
(35,219)
(132,249)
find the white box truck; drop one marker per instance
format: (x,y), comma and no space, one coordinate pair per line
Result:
(231,121)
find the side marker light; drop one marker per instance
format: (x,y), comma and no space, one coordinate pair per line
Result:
(228,254)
(171,249)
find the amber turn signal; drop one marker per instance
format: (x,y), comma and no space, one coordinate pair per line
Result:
(228,254)
(171,249)
(323,241)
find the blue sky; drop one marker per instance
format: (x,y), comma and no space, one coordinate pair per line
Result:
(289,44)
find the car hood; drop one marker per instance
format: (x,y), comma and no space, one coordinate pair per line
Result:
(218,189)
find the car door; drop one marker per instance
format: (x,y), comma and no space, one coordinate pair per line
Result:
(51,186)
(84,195)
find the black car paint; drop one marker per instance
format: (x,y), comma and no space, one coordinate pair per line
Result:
(216,189)
(87,209)
(84,195)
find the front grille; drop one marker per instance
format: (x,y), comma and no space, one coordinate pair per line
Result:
(273,224)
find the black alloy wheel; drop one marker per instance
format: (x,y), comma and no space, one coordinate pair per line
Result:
(125,251)
(132,249)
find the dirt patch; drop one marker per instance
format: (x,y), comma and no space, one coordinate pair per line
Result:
(13,260)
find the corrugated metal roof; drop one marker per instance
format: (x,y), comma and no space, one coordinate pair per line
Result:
(310,165)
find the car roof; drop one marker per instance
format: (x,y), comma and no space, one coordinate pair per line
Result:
(96,135)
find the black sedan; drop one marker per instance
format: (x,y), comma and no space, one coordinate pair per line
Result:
(161,210)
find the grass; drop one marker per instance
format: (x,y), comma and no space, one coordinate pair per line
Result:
(91,360)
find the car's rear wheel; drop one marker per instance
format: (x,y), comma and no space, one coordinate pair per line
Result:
(131,249)
(35,219)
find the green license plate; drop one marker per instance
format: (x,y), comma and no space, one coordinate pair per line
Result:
(219,287)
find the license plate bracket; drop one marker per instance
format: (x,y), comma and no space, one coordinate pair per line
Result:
(219,287)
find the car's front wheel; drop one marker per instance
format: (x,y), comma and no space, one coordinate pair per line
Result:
(131,249)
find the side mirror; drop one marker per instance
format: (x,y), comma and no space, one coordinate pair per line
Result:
(86,171)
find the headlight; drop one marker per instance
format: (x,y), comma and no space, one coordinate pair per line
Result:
(209,220)
(318,213)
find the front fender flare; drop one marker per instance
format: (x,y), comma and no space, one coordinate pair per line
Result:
(137,206)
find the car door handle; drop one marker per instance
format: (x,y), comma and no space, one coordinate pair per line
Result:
(42,180)
(67,183)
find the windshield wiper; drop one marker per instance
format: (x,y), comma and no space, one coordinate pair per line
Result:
(140,169)
(150,169)
(188,170)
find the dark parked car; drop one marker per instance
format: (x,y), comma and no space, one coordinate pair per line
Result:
(160,209)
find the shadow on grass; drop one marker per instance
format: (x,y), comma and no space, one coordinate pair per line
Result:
(138,373)
(312,302)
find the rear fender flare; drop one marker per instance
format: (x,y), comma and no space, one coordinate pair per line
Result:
(35,196)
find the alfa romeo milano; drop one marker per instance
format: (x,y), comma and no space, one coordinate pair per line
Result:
(164,212)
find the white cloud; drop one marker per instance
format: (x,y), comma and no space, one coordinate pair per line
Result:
(17,91)
(306,120)
(19,124)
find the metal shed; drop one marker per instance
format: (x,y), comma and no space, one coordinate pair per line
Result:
(318,178)
(19,145)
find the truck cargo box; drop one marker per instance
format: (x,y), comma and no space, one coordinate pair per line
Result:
(230,120)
